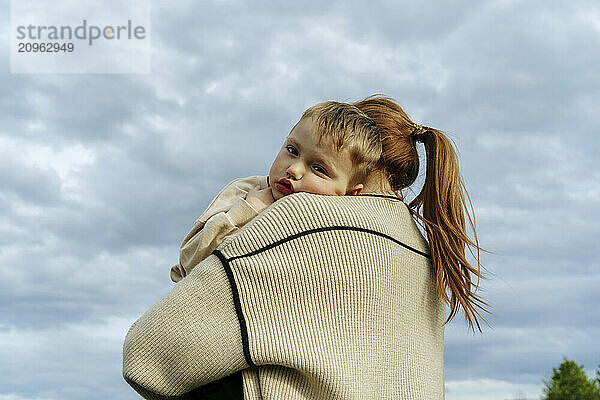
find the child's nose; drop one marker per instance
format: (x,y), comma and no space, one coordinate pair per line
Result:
(295,170)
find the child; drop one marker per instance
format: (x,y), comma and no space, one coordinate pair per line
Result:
(329,152)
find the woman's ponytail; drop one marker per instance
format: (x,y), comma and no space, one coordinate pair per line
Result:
(443,201)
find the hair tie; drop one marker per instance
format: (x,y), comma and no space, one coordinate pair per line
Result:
(417,133)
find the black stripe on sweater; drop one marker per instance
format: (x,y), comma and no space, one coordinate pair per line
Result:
(238,307)
(236,296)
(384,196)
(325,229)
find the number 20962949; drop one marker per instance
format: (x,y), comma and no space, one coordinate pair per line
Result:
(45,47)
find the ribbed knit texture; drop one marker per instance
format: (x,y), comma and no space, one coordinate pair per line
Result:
(343,312)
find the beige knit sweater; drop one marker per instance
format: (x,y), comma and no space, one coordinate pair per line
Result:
(319,297)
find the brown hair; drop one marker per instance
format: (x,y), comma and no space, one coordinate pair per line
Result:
(442,200)
(348,128)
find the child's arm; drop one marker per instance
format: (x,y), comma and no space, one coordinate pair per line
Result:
(260,199)
(205,237)
(228,212)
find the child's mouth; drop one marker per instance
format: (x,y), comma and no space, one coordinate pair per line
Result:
(284,186)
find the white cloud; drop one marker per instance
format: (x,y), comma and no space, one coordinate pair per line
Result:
(491,389)
(65,162)
(56,363)
(14,396)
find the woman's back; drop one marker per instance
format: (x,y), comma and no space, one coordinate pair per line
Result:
(319,297)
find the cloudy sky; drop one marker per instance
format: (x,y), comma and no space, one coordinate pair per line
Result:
(102,175)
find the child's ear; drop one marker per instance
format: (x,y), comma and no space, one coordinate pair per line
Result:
(355,191)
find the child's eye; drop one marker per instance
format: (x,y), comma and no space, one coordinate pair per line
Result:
(320,169)
(292,150)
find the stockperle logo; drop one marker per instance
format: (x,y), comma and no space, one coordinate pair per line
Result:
(84,31)
(80,36)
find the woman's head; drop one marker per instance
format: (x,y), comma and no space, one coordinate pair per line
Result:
(399,159)
(442,200)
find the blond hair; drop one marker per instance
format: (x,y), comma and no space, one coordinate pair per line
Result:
(442,200)
(347,127)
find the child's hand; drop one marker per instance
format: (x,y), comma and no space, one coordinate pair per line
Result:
(260,199)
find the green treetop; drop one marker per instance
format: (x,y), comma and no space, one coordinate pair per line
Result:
(569,382)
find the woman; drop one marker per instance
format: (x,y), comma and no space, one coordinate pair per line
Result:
(323,297)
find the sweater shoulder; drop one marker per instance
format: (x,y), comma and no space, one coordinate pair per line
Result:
(301,214)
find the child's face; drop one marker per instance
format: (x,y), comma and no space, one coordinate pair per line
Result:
(303,165)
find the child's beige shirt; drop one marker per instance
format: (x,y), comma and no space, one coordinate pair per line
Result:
(226,214)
